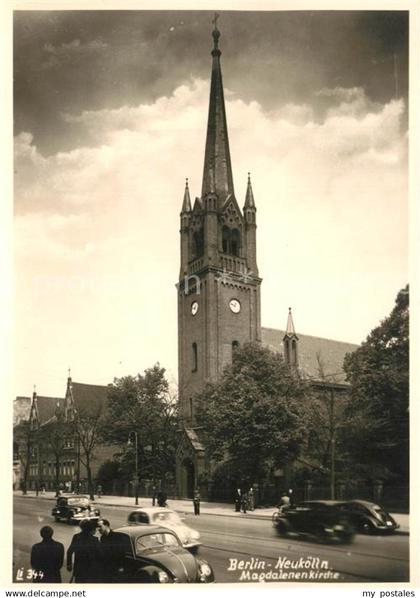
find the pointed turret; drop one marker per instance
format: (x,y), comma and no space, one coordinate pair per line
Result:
(217,173)
(290,342)
(249,198)
(250,228)
(290,329)
(184,230)
(186,204)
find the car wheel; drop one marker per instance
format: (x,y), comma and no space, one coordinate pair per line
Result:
(320,533)
(366,527)
(281,528)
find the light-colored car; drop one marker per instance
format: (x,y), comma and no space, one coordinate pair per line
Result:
(190,538)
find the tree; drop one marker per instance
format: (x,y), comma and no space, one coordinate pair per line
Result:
(87,424)
(53,434)
(254,417)
(379,376)
(143,404)
(325,452)
(24,438)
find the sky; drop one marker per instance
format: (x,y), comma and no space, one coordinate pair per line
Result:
(110,116)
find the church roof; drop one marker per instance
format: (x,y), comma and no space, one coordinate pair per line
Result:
(331,354)
(217,172)
(89,396)
(193,438)
(47,407)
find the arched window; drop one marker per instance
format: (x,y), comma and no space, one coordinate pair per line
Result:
(198,244)
(231,241)
(194,357)
(225,239)
(293,357)
(235,239)
(286,351)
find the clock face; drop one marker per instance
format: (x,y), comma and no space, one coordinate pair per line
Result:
(194,307)
(235,306)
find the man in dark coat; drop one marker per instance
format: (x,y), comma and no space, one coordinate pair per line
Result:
(88,555)
(113,552)
(47,558)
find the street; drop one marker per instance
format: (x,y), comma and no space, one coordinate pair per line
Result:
(236,547)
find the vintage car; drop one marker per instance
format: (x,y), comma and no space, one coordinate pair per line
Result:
(72,508)
(189,537)
(320,520)
(368,517)
(154,554)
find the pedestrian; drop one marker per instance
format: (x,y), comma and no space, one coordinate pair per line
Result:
(47,558)
(196,501)
(36,488)
(161,498)
(238,500)
(284,503)
(154,496)
(99,490)
(113,549)
(244,501)
(251,500)
(88,555)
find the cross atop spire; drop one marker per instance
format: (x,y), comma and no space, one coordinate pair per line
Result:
(216,32)
(217,172)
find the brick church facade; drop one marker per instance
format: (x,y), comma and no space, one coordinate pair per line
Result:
(219,305)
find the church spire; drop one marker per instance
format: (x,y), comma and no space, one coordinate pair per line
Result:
(186,204)
(217,173)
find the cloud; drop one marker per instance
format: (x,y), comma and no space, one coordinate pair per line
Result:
(332,221)
(66,52)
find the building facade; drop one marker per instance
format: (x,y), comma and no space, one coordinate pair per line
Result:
(219,286)
(47,447)
(219,305)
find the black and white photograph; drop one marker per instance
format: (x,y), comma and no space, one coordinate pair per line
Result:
(210,378)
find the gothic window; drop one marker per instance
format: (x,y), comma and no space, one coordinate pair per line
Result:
(225,239)
(286,351)
(194,357)
(198,243)
(293,358)
(231,241)
(235,242)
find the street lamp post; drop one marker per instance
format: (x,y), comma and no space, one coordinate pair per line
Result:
(136,472)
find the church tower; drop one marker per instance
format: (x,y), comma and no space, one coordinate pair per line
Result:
(219,286)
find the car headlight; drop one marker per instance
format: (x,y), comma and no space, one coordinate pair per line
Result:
(163,577)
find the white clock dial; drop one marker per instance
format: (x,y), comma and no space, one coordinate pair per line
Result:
(235,306)
(194,307)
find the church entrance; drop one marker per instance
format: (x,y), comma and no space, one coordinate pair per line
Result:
(189,471)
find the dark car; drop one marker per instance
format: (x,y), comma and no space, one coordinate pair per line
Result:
(320,520)
(72,508)
(154,554)
(368,517)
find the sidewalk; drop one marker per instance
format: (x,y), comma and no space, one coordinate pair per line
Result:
(186,507)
